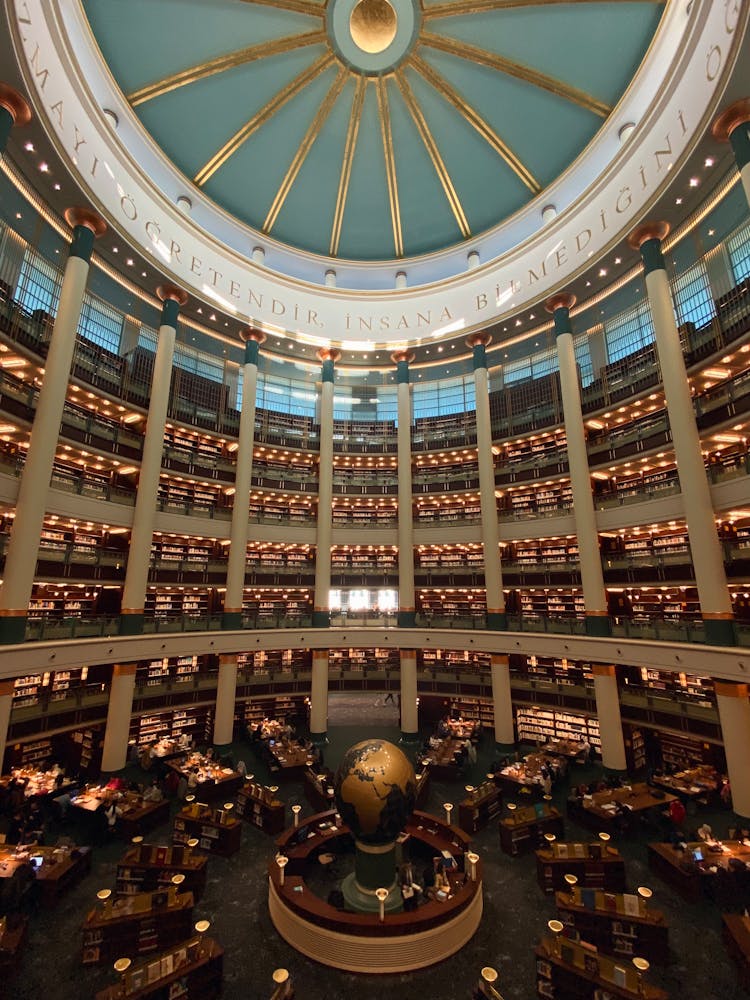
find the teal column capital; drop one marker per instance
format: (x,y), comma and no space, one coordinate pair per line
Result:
(14,110)
(86,225)
(253,339)
(402,373)
(479,352)
(327,371)
(560,306)
(172,298)
(648,238)
(740,142)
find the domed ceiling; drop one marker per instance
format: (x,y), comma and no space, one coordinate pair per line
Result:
(372,129)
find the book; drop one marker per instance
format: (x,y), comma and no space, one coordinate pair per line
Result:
(588,898)
(631,904)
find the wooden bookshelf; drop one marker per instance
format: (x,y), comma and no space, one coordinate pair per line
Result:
(259,806)
(147,867)
(193,970)
(596,866)
(619,924)
(136,925)
(218,830)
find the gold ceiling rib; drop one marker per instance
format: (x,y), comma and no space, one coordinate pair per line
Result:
(222,63)
(482,57)
(384,113)
(297,6)
(304,148)
(476,121)
(261,117)
(437,161)
(462,7)
(350,146)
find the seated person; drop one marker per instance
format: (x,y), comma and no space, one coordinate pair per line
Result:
(153,793)
(441,889)
(705,833)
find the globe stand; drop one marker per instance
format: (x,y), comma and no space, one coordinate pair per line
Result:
(374,866)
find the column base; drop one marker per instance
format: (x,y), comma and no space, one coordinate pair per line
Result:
(321,619)
(409,739)
(720,631)
(132,624)
(12,629)
(361,901)
(505,747)
(319,739)
(598,625)
(497,621)
(407,619)
(231,621)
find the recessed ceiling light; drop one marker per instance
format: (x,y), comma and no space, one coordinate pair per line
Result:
(18,215)
(678,201)
(29,147)
(213,317)
(618,260)
(143,274)
(694,182)
(44,167)
(602,272)
(115,249)
(130,262)
(711,232)
(709,161)
(56,187)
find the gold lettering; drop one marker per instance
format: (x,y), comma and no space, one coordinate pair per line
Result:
(174,251)
(663,152)
(533,276)
(365,324)
(624,200)
(152,231)
(27,19)
(584,234)
(277,308)
(385,323)
(713,62)
(44,73)
(254,299)
(561,255)
(127,200)
(234,289)
(423,320)
(445,315)
(80,141)
(403,323)
(195,266)
(312,319)
(57,108)
(216,274)
(481,301)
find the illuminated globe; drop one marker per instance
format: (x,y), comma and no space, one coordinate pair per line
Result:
(375,791)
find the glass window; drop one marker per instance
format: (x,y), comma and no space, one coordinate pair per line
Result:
(38,284)
(628,332)
(738,246)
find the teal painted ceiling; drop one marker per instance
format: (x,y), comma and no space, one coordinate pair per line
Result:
(487,105)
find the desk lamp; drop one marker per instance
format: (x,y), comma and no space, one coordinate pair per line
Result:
(201,927)
(296,810)
(103,895)
(448,806)
(556,926)
(572,882)
(121,967)
(282,862)
(382,895)
(489,976)
(177,880)
(472,858)
(645,893)
(642,966)
(550,838)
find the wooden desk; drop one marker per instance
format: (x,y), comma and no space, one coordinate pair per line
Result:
(291,760)
(60,869)
(636,798)
(563,748)
(441,758)
(214,781)
(201,973)
(594,867)
(692,878)
(141,817)
(527,774)
(601,919)
(11,943)
(691,784)
(736,934)
(317,789)
(479,808)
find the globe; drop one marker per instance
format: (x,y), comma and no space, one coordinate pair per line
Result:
(375,791)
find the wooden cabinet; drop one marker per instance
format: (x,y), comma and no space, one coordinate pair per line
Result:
(150,866)
(595,866)
(193,970)
(218,831)
(524,830)
(259,806)
(617,923)
(479,807)
(570,970)
(137,924)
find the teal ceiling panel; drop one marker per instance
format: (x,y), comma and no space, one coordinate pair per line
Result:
(458,183)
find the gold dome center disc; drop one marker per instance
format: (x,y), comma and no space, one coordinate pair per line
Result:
(373,25)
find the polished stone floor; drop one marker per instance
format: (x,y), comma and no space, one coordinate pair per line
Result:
(515,915)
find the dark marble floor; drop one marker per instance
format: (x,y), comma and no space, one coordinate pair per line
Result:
(515,916)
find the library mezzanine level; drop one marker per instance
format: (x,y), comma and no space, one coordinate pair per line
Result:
(539,519)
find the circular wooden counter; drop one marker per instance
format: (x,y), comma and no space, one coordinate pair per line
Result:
(359,942)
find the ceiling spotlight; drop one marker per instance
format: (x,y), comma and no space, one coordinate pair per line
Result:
(184,204)
(56,187)
(678,201)
(626,131)
(694,182)
(602,272)
(112,120)
(29,147)
(549,212)
(709,161)
(618,260)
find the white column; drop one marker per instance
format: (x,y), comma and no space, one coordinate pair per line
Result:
(115,750)
(734,716)
(319,696)
(321,602)
(23,546)
(406,599)
(6,704)
(733,125)
(493,580)
(226,690)
(708,560)
(238,532)
(502,702)
(139,553)
(592,575)
(409,706)
(608,712)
